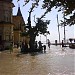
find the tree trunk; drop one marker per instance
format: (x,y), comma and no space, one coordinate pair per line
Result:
(32,41)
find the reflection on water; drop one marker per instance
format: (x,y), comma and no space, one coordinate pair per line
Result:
(56,61)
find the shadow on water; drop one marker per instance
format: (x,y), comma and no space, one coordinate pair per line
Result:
(37,53)
(31,53)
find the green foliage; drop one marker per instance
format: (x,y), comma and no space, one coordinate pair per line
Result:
(42,26)
(68,6)
(24,34)
(39,28)
(70,21)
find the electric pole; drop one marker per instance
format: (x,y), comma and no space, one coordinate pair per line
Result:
(58,28)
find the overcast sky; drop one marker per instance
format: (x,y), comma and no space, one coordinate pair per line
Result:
(52,27)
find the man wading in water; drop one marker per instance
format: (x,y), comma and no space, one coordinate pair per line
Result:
(49,43)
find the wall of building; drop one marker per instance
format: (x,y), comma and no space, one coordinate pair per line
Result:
(5,11)
(6,27)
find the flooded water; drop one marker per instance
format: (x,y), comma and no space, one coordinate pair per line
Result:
(56,61)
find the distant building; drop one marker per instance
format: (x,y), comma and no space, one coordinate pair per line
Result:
(10,26)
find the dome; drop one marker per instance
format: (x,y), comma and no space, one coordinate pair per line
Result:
(6,0)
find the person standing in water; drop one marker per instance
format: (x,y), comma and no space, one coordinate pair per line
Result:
(49,43)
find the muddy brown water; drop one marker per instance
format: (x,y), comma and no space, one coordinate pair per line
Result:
(56,61)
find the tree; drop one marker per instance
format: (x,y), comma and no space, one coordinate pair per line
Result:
(68,5)
(39,28)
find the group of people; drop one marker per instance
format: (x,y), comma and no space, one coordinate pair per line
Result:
(40,46)
(37,45)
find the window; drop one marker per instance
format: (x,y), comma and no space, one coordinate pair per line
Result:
(7,37)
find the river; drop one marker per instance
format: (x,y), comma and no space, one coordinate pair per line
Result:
(54,61)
